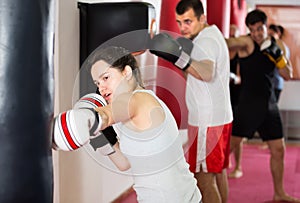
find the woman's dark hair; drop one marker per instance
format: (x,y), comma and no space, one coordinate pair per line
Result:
(256,16)
(274,28)
(281,30)
(118,58)
(185,5)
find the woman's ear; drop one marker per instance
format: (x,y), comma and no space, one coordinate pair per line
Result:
(127,72)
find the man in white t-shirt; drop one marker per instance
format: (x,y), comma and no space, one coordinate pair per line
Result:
(203,55)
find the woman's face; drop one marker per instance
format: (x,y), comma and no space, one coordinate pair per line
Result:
(107,79)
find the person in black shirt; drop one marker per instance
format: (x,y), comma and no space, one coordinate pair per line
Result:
(257,108)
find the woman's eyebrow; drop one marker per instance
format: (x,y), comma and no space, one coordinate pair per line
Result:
(105,72)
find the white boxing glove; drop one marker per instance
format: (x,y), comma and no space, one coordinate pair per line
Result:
(91,101)
(105,139)
(72,128)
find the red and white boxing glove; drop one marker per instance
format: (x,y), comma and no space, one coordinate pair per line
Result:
(105,139)
(91,101)
(72,129)
(77,127)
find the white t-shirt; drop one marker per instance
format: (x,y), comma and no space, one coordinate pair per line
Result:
(209,102)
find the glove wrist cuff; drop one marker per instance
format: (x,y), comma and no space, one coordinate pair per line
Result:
(183,61)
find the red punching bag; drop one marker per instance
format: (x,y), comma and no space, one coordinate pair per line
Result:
(238,14)
(170,80)
(218,13)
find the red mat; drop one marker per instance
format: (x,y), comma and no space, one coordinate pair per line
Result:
(256,184)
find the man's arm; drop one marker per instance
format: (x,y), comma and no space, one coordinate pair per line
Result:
(202,70)
(244,45)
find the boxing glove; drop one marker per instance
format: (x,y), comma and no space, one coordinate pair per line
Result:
(91,100)
(105,139)
(274,53)
(175,51)
(72,128)
(186,44)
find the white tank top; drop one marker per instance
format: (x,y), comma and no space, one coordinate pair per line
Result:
(160,171)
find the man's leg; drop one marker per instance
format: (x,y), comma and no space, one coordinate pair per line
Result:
(236,145)
(238,157)
(277,149)
(208,186)
(237,171)
(222,183)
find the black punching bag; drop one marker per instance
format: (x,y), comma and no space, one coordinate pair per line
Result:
(26,101)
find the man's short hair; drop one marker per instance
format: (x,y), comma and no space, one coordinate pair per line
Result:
(185,5)
(256,16)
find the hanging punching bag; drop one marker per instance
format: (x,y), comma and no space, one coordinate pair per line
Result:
(172,89)
(26,101)
(238,13)
(218,13)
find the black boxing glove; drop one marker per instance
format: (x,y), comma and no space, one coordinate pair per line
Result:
(186,44)
(274,53)
(175,51)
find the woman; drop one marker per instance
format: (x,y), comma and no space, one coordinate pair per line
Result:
(149,142)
